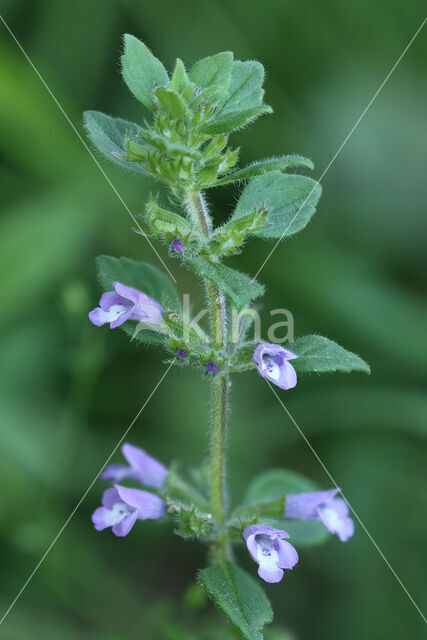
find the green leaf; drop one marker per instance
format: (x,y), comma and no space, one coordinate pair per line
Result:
(239,287)
(245,90)
(275,484)
(109,135)
(291,200)
(166,221)
(179,80)
(171,102)
(144,277)
(282,163)
(238,596)
(231,120)
(319,354)
(214,71)
(142,71)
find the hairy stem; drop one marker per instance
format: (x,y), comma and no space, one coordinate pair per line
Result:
(219,384)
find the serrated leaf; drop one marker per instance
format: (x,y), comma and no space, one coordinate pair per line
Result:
(213,71)
(109,135)
(319,354)
(245,91)
(142,71)
(171,102)
(281,163)
(239,287)
(291,200)
(231,120)
(238,596)
(144,277)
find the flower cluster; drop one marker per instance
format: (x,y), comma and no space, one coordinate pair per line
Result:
(123,506)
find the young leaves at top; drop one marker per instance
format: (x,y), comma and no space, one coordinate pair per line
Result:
(142,71)
(290,199)
(238,596)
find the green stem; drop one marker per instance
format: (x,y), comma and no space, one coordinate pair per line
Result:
(219,384)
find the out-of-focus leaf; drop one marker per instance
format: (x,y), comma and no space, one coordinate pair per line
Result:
(142,71)
(238,596)
(276,484)
(109,136)
(262,167)
(33,262)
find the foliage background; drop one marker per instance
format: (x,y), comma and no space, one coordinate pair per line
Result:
(357,274)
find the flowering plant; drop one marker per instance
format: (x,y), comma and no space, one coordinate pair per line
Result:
(185,147)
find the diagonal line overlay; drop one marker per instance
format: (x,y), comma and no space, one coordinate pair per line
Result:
(344,142)
(40,562)
(350,507)
(86,146)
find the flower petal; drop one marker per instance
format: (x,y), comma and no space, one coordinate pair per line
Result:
(111,297)
(122,528)
(287,378)
(100,518)
(149,505)
(110,497)
(98,316)
(270,573)
(127,292)
(117,472)
(151,472)
(288,556)
(125,315)
(303,506)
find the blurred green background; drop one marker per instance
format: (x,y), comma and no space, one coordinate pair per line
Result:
(356,274)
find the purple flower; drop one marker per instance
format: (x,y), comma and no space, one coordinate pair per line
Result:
(122,507)
(181,354)
(177,246)
(211,367)
(324,506)
(126,303)
(142,467)
(272,361)
(272,554)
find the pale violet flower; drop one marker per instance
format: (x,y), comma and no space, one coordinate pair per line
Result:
(141,466)
(126,303)
(273,363)
(270,551)
(122,507)
(323,506)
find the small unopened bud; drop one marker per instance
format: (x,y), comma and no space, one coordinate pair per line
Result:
(212,367)
(177,246)
(181,354)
